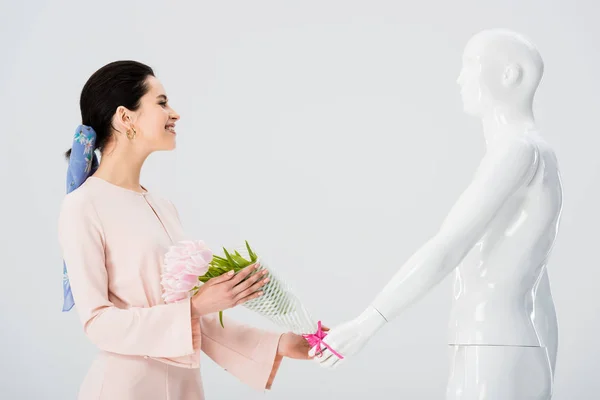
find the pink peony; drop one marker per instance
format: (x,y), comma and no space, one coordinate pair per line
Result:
(184,263)
(173,297)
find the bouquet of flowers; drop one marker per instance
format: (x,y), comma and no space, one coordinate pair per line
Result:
(189,264)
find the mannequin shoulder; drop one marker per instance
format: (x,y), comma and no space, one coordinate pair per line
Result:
(513,153)
(510,161)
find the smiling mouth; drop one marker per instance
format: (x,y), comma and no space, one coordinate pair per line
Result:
(170,128)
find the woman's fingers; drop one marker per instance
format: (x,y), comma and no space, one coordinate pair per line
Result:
(253,280)
(251,296)
(220,279)
(252,289)
(243,274)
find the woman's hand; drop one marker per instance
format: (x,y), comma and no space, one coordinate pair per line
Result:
(227,291)
(294,346)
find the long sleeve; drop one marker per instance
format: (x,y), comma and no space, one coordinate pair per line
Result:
(248,353)
(159,331)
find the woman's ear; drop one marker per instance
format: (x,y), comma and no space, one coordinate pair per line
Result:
(122,119)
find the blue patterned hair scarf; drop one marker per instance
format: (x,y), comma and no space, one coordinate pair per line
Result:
(83,162)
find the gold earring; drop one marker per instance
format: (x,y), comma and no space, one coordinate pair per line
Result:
(129,133)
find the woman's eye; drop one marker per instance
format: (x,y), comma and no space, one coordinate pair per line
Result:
(163,103)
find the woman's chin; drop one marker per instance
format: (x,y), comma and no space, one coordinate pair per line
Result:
(168,144)
(171,141)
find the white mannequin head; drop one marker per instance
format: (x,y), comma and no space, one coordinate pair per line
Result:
(501,71)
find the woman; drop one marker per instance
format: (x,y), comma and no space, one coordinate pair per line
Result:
(113,234)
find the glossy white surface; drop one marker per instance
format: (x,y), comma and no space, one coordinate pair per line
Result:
(498,373)
(497,237)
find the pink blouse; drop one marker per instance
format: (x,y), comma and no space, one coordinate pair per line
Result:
(113,241)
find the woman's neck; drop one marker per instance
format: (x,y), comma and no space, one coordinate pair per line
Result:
(121,169)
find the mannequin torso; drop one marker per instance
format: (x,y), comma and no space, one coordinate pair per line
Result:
(496,285)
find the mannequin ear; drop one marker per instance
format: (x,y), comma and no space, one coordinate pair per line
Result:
(512,75)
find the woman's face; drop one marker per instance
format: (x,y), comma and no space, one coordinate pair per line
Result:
(154,121)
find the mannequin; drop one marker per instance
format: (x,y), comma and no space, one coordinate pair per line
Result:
(497,238)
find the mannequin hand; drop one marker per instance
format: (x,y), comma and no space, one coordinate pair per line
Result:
(348,338)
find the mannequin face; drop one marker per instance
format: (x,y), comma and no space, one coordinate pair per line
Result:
(471,85)
(499,72)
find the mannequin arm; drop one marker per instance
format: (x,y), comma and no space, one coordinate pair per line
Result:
(505,169)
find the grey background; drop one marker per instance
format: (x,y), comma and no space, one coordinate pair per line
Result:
(330,134)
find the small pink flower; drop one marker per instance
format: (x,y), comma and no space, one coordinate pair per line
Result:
(173,297)
(176,267)
(184,263)
(186,282)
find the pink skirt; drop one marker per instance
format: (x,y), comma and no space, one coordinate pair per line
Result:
(118,377)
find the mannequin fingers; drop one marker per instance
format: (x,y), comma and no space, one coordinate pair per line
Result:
(338,362)
(324,357)
(332,362)
(328,359)
(318,355)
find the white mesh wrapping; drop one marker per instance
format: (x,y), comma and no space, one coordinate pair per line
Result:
(279,304)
